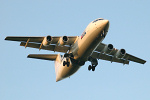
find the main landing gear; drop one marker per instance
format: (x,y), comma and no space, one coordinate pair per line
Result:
(67,56)
(66,62)
(91,67)
(94,63)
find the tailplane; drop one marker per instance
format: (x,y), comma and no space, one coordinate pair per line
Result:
(53,57)
(43,56)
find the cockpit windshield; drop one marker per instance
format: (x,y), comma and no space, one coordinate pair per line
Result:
(98,20)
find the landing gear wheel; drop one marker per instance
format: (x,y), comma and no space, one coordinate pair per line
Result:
(90,67)
(64,63)
(93,68)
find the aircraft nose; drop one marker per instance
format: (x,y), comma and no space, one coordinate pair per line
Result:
(102,24)
(105,22)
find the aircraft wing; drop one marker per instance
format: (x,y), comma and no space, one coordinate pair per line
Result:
(36,42)
(100,53)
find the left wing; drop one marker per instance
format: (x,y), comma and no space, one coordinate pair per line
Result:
(107,52)
(55,43)
(39,39)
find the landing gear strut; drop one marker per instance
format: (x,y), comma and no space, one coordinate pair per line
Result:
(103,33)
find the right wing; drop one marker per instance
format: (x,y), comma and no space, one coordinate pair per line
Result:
(37,42)
(101,53)
(108,58)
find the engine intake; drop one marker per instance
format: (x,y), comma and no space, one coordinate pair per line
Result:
(63,40)
(121,53)
(47,40)
(108,48)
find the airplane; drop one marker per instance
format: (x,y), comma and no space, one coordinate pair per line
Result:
(77,50)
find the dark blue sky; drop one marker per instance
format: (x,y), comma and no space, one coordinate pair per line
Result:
(29,79)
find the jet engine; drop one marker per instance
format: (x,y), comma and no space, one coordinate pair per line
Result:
(63,40)
(108,48)
(47,40)
(120,53)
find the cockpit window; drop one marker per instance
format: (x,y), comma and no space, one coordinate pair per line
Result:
(98,20)
(83,34)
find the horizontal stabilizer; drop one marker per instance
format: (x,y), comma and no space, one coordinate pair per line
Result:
(43,56)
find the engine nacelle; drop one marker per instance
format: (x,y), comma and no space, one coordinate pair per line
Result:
(47,40)
(108,48)
(63,40)
(120,53)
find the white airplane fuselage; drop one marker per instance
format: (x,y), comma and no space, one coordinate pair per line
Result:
(82,48)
